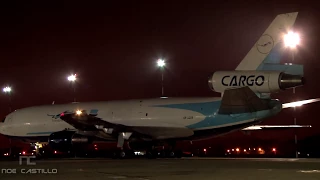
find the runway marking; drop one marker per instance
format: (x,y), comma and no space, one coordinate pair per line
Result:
(309,171)
(303,160)
(117,177)
(124,177)
(265,169)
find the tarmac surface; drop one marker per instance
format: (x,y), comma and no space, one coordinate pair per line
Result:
(167,169)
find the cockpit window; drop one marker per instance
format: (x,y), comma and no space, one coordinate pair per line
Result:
(3,119)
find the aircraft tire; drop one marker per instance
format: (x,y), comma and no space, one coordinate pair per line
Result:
(122,154)
(115,155)
(178,154)
(151,154)
(172,154)
(163,154)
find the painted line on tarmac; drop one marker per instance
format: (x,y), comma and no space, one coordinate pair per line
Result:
(309,171)
(265,169)
(257,159)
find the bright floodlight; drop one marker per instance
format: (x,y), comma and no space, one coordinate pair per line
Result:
(291,39)
(72,77)
(7,89)
(161,63)
(78,112)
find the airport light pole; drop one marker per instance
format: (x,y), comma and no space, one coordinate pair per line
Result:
(291,41)
(161,64)
(72,79)
(7,90)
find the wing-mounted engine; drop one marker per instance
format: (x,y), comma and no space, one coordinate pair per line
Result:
(65,140)
(257,81)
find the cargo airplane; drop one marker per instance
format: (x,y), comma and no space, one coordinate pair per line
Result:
(146,123)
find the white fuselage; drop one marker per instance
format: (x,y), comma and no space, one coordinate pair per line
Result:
(41,120)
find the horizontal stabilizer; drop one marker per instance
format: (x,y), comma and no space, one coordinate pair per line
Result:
(273,127)
(241,100)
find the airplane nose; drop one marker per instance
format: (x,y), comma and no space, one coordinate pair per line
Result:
(1,128)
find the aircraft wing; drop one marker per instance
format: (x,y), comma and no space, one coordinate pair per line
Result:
(299,103)
(84,121)
(273,127)
(284,106)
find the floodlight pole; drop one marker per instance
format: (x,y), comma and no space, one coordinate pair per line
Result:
(72,80)
(74,91)
(10,149)
(294,114)
(161,65)
(162,89)
(10,103)
(8,92)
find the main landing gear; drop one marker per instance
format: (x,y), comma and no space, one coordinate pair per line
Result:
(151,154)
(151,149)
(162,152)
(148,149)
(122,154)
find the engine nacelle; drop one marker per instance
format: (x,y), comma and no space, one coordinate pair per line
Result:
(257,81)
(65,140)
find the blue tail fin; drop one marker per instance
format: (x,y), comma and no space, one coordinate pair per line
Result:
(266,54)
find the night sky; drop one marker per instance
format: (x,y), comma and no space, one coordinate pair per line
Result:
(113,48)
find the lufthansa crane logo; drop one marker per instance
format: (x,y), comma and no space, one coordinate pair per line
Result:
(265,44)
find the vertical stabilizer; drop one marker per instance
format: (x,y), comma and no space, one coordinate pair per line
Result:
(269,47)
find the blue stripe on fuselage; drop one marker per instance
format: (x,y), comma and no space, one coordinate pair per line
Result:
(212,118)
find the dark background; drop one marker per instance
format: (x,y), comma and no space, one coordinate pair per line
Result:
(113,47)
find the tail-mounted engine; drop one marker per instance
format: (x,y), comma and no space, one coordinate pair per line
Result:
(257,81)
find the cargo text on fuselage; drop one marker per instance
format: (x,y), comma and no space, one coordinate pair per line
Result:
(243,80)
